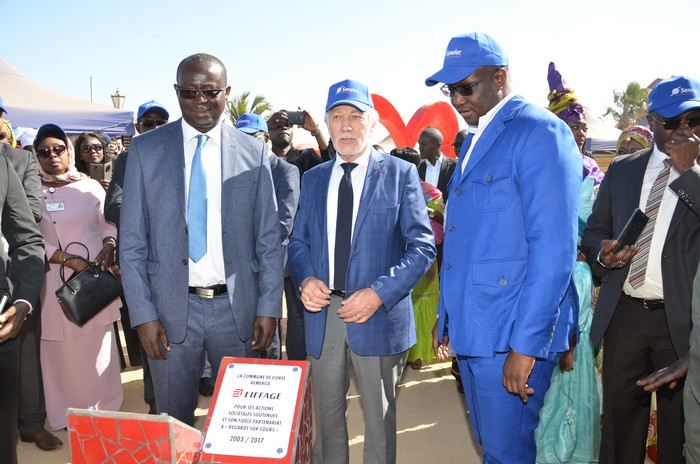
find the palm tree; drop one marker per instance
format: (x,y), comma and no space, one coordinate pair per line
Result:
(631,105)
(239,104)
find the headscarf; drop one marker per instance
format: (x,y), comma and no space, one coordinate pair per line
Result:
(10,134)
(72,174)
(563,101)
(639,133)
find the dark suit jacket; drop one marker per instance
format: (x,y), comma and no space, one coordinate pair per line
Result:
(24,163)
(617,198)
(392,248)
(25,241)
(113,200)
(447,168)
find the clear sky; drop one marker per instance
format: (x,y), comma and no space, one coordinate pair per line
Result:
(291,51)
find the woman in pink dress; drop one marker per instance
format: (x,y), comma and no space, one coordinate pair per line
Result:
(79,365)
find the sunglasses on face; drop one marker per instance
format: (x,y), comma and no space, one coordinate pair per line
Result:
(3,136)
(45,153)
(673,124)
(466,89)
(191,94)
(151,123)
(89,148)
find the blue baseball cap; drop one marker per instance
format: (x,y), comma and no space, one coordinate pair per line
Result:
(151,105)
(349,92)
(674,96)
(2,106)
(465,54)
(49,130)
(251,123)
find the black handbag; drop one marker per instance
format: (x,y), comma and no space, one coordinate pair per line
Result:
(88,292)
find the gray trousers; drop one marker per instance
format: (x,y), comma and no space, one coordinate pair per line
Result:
(211,329)
(377,377)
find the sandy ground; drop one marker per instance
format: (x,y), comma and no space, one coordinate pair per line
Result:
(432,420)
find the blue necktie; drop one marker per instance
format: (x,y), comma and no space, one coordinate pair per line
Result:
(343,227)
(197,204)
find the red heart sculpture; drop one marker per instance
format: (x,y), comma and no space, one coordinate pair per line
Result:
(439,115)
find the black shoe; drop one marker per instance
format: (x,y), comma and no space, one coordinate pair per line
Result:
(206,386)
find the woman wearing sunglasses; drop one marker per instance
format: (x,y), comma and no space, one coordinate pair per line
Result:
(79,365)
(93,157)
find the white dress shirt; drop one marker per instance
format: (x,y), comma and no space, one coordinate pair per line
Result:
(432,173)
(653,287)
(209,270)
(358,176)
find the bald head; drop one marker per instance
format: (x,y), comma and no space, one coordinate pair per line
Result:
(429,143)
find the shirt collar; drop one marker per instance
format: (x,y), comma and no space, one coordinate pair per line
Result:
(657,157)
(485,119)
(189,132)
(362,160)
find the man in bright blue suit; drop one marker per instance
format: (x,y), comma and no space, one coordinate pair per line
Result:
(361,241)
(509,248)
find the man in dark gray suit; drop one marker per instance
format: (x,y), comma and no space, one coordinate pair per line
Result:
(643,310)
(32,409)
(26,250)
(201,265)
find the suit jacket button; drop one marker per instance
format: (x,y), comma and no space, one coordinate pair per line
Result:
(458,191)
(503,282)
(450,227)
(489,178)
(184,262)
(447,266)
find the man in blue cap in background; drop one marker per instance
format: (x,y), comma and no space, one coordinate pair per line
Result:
(509,248)
(149,116)
(285,178)
(361,241)
(643,314)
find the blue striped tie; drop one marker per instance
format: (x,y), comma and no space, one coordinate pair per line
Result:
(197,204)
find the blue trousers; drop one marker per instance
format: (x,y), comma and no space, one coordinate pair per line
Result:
(503,424)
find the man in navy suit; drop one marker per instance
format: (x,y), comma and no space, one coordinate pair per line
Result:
(200,240)
(509,248)
(360,243)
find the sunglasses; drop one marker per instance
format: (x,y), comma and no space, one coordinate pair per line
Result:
(191,94)
(466,89)
(3,136)
(45,153)
(151,123)
(89,148)
(673,124)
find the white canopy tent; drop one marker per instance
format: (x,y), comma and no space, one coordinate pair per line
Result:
(30,104)
(601,135)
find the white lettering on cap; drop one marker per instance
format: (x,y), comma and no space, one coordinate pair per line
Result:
(342,89)
(455,52)
(680,90)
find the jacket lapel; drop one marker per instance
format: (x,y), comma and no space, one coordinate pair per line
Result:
(174,154)
(229,150)
(374,175)
(490,134)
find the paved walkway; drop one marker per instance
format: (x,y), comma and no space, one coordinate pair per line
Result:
(432,422)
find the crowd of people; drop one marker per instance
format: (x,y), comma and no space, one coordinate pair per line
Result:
(504,258)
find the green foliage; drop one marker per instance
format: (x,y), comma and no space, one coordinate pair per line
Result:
(630,106)
(239,104)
